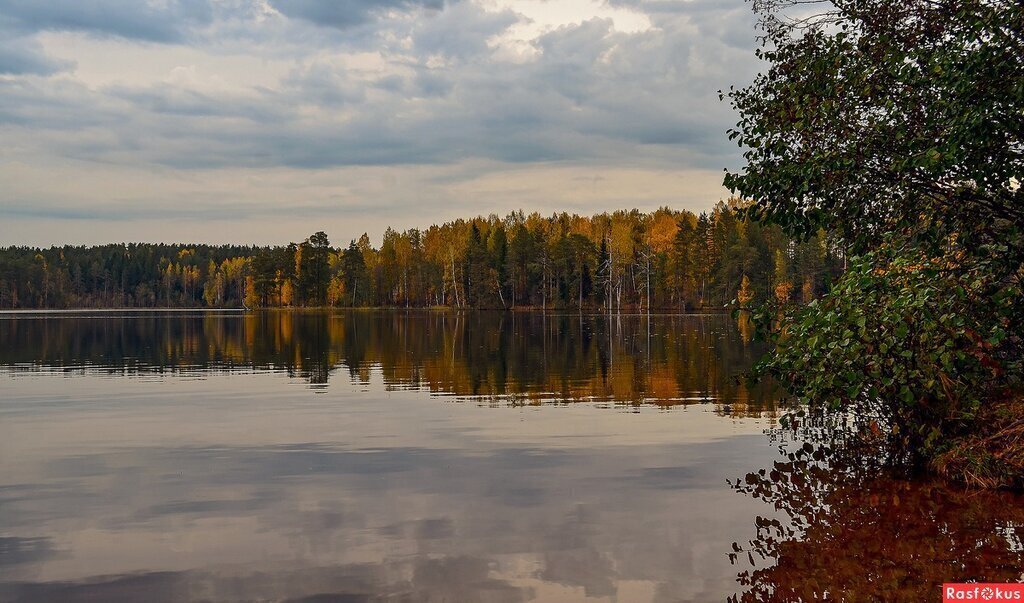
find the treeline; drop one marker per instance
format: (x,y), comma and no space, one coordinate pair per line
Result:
(624,260)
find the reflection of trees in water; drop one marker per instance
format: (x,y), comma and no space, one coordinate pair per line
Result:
(523,356)
(849,526)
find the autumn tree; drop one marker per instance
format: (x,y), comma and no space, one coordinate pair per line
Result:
(354,276)
(686,261)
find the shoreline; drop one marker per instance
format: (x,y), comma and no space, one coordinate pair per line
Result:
(521,310)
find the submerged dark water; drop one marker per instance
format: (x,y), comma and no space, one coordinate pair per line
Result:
(391,456)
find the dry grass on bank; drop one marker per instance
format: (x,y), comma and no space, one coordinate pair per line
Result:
(994,458)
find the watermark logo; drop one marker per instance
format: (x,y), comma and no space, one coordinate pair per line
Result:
(982,592)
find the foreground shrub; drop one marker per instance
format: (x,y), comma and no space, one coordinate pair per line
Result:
(928,346)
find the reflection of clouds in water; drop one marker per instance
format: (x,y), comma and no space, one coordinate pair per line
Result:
(15,550)
(571,559)
(448,523)
(461,579)
(423,580)
(420,529)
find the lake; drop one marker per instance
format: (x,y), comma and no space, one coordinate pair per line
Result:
(442,456)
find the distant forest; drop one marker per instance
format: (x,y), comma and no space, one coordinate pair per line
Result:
(666,259)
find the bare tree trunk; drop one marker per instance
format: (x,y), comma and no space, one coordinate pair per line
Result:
(544,290)
(500,296)
(648,292)
(581,290)
(455,283)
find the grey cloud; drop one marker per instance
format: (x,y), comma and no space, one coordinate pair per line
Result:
(173,100)
(426,83)
(575,44)
(735,24)
(392,83)
(131,19)
(212,208)
(324,85)
(430,83)
(691,7)
(344,14)
(461,31)
(13,209)
(57,105)
(24,56)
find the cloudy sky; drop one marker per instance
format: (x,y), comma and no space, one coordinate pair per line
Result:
(264,120)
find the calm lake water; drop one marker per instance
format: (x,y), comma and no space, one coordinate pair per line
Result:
(392,456)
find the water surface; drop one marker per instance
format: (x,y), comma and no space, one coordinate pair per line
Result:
(393,456)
